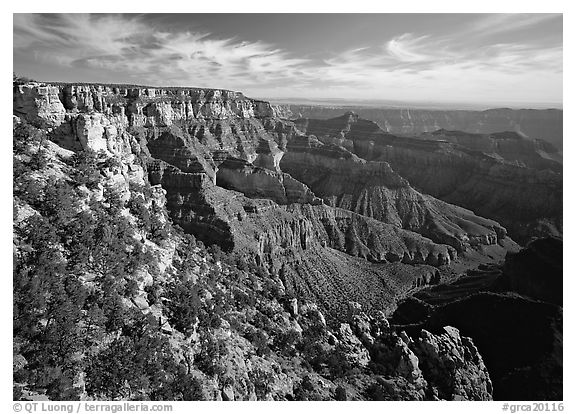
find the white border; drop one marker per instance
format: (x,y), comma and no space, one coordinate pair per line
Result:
(309,6)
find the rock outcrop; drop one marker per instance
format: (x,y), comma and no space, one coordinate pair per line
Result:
(520,341)
(443,366)
(454,364)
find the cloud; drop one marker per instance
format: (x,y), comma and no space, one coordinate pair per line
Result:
(120,44)
(407,53)
(407,66)
(76,36)
(490,24)
(408,48)
(437,68)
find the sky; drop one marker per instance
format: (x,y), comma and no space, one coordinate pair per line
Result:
(446,58)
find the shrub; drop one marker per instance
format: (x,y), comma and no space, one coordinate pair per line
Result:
(87,172)
(183,306)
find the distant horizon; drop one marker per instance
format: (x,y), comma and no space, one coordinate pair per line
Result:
(442,58)
(415,104)
(347,102)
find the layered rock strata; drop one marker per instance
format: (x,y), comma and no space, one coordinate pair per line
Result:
(527,201)
(373,189)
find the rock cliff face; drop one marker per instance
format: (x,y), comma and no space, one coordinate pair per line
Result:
(526,200)
(219,119)
(256,182)
(537,124)
(159,106)
(39,104)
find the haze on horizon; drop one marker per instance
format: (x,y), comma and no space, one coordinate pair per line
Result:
(490,59)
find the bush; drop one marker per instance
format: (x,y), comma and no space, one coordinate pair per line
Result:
(340,394)
(259,340)
(211,352)
(285,342)
(153,293)
(262,381)
(87,172)
(183,306)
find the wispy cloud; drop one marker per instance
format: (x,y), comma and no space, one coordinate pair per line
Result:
(411,49)
(491,24)
(71,37)
(121,44)
(407,53)
(436,68)
(408,65)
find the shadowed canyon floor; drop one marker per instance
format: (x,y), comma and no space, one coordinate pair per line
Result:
(513,311)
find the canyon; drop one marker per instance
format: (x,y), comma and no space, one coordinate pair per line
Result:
(333,216)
